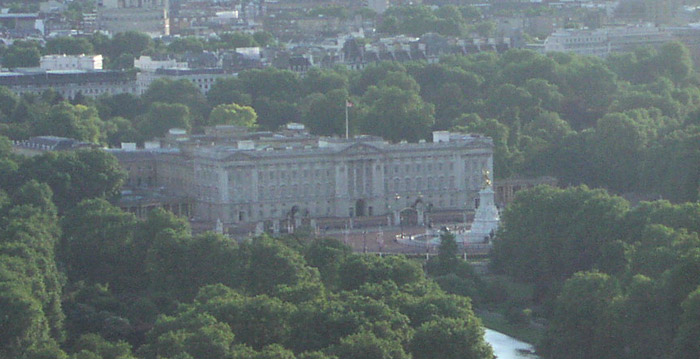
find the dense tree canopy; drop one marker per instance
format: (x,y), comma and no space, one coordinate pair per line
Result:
(618,281)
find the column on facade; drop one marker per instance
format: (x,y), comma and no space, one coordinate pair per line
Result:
(222,207)
(341,189)
(378,179)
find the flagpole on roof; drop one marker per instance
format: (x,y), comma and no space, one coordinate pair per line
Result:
(347,126)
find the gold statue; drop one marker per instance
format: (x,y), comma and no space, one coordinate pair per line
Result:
(487,179)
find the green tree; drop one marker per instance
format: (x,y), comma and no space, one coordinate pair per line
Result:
(123,105)
(450,338)
(272,114)
(272,83)
(372,74)
(8,101)
(197,334)
(31,318)
(264,38)
(366,345)
(448,253)
(97,237)
(186,44)
(73,121)
(675,62)
(323,81)
(75,176)
(396,114)
(21,319)
(585,78)
(233,114)
(618,134)
(162,117)
(128,43)
(22,54)
(582,308)
(257,321)
(269,264)
(401,80)
(93,343)
(686,344)
(324,114)
(548,234)
(68,46)
(178,92)
(647,326)
(228,90)
(35,194)
(326,254)
(520,66)
(232,40)
(357,270)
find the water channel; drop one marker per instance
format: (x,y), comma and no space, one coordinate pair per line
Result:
(505,347)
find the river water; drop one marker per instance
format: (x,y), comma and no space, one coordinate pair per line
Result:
(505,347)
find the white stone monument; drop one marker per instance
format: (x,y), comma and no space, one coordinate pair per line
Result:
(219,226)
(486,217)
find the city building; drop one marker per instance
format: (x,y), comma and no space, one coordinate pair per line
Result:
(140,202)
(148,16)
(69,83)
(71,62)
(151,64)
(604,41)
(259,181)
(41,144)
(203,78)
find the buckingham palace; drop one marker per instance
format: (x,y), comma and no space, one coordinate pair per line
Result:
(278,180)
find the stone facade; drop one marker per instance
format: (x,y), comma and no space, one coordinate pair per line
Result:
(68,83)
(507,188)
(70,62)
(604,41)
(293,176)
(148,16)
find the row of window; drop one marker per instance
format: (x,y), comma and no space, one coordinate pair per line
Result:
(285,175)
(420,167)
(420,184)
(295,191)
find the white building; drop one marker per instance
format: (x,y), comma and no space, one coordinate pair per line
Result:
(602,42)
(147,63)
(204,79)
(71,62)
(253,180)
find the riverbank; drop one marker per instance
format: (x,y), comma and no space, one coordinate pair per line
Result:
(528,333)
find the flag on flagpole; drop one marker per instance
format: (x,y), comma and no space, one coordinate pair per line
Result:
(348,104)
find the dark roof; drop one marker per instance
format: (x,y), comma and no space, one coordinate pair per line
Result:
(63,77)
(299,61)
(184,72)
(402,56)
(52,143)
(501,48)
(387,56)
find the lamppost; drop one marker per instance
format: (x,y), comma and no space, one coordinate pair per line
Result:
(397,197)
(364,241)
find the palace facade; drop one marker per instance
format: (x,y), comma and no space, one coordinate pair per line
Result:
(276,180)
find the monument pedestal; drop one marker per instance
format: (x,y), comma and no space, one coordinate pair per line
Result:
(485,219)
